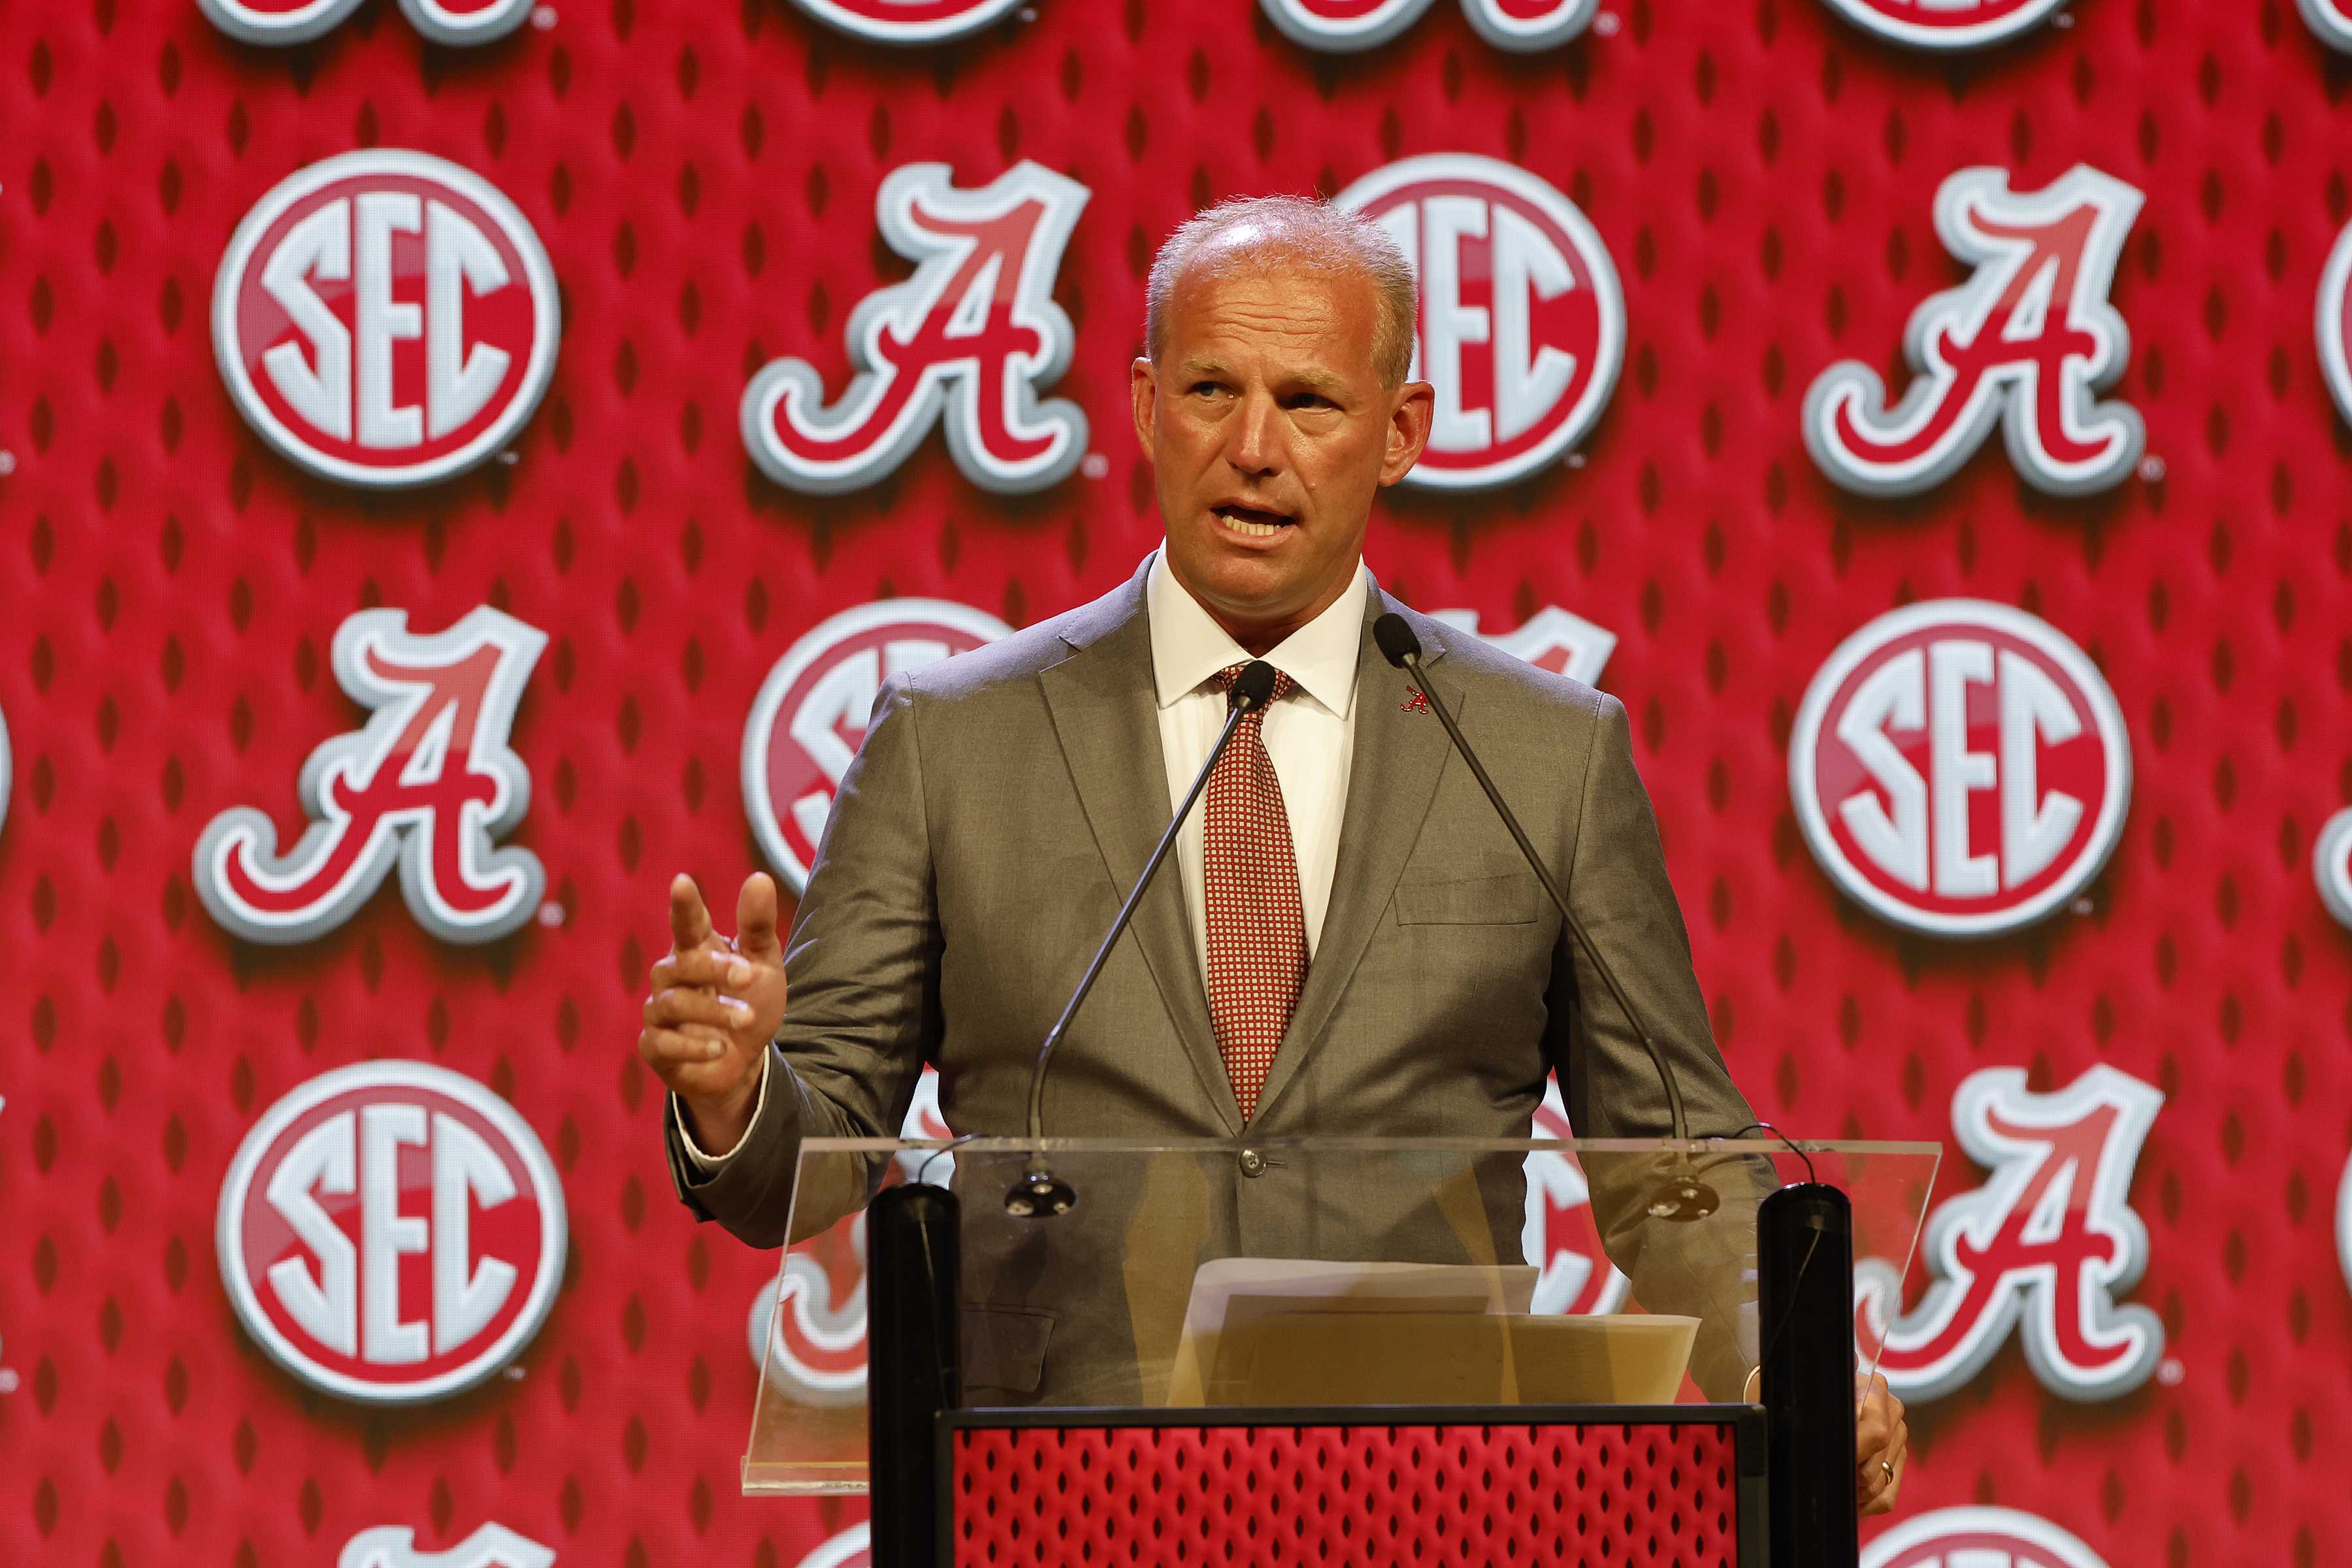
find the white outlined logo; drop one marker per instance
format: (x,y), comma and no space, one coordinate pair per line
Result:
(1522,321)
(810,716)
(2028,342)
(430,784)
(459,23)
(2330,20)
(1349,27)
(2343,1225)
(2334,318)
(2331,866)
(1552,638)
(491,1546)
(910,23)
(1560,1236)
(385,319)
(1946,24)
(967,342)
(1959,768)
(1978,1537)
(2045,1245)
(360,1168)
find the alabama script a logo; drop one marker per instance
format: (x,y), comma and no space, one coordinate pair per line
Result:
(491,1546)
(2028,342)
(429,782)
(2044,1246)
(1345,26)
(908,22)
(968,342)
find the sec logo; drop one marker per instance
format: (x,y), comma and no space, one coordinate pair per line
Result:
(811,713)
(2334,320)
(1946,24)
(908,21)
(458,22)
(391,1233)
(2331,20)
(1979,1538)
(385,319)
(1522,321)
(1959,768)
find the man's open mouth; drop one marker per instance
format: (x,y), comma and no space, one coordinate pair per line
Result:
(1251,521)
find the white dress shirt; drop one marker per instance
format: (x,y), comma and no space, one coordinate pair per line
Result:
(1310,736)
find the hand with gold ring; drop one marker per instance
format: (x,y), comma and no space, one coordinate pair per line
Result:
(1881,1443)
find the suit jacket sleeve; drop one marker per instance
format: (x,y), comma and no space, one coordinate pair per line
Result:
(862,1012)
(1617,883)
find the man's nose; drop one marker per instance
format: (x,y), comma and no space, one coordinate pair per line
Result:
(1254,439)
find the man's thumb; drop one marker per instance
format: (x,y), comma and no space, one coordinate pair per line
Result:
(755,920)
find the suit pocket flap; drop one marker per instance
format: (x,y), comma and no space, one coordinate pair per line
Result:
(1508,899)
(1004,1347)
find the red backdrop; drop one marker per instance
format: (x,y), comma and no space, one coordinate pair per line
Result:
(703,180)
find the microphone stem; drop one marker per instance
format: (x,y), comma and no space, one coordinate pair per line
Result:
(1118,927)
(1543,874)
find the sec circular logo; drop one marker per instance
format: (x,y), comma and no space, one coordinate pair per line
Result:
(391,1233)
(2334,320)
(385,319)
(1978,1537)
(908,21)
(1946,24)
(1959,768)
(811,713)
(458,22)
(1522,321)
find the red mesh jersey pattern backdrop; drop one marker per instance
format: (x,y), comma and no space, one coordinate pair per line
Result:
(703,179)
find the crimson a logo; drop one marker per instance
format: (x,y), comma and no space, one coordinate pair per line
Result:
(2045,1245)
(1959,768)
(967,342)
(1978,1537)
(1522,321)
(1948,24)
(491,1546)
(909,22)
(385,319)
(391,1233)
(1350,27)
(2026,342)
(459,23)
(2330,20)
(429,784)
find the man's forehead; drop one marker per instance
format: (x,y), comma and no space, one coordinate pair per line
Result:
(1304,314)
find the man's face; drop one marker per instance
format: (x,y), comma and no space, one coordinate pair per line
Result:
(1268,431)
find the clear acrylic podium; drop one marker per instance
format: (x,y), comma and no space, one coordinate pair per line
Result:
(1295,1350)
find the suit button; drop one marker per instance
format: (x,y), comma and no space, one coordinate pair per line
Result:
(1252,1163)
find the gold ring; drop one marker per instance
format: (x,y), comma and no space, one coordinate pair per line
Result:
(1888,1468)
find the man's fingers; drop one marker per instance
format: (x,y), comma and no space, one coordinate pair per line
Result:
(755,918)
(689,921)
(712,968)
(664,1047)
(682,1005)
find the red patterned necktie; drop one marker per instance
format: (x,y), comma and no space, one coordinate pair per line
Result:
(1258,928)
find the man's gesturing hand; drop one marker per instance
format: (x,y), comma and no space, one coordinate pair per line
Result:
(715,1004)
(1882,1442)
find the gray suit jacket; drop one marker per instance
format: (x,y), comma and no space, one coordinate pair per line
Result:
(1003,803)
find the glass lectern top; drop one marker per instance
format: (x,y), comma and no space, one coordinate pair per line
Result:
(1328,1271)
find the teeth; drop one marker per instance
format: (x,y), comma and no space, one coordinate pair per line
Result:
(1250,529)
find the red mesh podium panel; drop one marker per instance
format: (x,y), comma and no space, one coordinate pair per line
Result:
(1454,1496)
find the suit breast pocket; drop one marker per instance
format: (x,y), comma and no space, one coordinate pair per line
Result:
(1514,898)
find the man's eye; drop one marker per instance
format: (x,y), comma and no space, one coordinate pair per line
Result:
(1206,389)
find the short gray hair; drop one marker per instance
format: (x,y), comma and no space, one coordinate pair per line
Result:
(1302,229)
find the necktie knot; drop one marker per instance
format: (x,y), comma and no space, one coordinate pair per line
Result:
(1283,685)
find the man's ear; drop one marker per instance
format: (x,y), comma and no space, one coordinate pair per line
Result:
(1143,386)
(1408,421)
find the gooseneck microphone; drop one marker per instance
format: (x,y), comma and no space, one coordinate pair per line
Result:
(1681,1197)
(1038,1194)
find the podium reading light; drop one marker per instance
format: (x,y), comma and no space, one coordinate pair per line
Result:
(1682,1195)
(1039,1194)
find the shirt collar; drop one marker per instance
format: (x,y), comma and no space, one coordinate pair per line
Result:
(1187,646)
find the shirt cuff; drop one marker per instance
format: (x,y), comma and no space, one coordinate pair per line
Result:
(703,1162)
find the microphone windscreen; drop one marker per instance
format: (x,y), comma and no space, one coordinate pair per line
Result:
(1254,687)
(1396,640)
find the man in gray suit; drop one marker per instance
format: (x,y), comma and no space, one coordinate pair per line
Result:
(1350,943)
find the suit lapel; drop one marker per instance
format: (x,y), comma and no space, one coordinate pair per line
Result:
(1391,779)
(1107,720)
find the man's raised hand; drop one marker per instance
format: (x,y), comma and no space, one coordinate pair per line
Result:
(713,1006)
